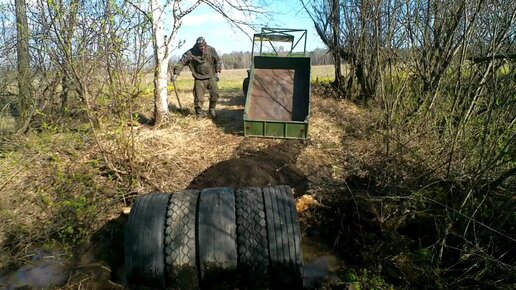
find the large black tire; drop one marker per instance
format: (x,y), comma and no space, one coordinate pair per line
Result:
(252,246)
(286,258)
(143,241)
(245,86)
(216,232)
(180,249)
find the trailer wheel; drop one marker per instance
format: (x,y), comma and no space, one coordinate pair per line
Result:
(143,241)
(252,246)
(286,259)
(216,232)
(180,250)
(245,86)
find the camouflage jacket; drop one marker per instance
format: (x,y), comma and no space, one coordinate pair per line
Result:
(202,65)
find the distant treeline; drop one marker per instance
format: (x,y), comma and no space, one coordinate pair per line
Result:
(240,60)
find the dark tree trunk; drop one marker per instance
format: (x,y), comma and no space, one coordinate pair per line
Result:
(335,19)
(24,83)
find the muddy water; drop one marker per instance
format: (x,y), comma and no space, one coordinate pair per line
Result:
(50,268)
(46,268)
(319,263)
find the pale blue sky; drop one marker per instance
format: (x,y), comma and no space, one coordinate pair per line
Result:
(219,33)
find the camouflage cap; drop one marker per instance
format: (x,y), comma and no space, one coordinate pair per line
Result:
(200,40)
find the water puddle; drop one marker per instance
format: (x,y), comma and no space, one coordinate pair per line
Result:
(319,263)
(50,268)
(46,268)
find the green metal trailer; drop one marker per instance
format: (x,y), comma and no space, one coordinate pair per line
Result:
(278,88)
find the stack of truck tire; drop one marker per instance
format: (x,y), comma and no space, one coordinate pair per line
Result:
(215,238)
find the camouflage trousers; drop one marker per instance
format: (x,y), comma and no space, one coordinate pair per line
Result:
(200,89)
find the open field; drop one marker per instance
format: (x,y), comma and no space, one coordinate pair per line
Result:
(232,79)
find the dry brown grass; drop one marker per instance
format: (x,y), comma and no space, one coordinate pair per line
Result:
(26,192)
(188,146)
(17,198)
(174,155)
(330,125)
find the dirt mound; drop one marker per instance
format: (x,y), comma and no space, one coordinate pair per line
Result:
(274,165)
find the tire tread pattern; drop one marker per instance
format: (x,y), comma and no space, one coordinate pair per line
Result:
(283,236)
(252,246)
(180,248)
(143,240)
(216,239)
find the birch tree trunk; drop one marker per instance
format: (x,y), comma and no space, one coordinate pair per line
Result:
(161,59)
(163,45)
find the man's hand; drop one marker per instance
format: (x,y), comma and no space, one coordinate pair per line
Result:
(174,77)
(217,77)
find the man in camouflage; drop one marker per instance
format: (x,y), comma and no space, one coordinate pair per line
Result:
(204,63)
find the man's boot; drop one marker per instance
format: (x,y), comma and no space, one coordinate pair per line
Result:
(211,111)
(200,113)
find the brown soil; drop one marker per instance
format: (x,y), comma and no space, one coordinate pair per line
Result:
(274,165)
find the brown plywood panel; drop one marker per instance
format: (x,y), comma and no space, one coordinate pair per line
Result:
(272,94)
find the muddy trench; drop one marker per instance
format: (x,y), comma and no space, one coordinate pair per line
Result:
(102,265)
